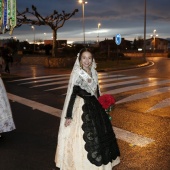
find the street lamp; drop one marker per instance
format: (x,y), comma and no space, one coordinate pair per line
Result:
(83,3)
(98,32)
(33,28)
(154,41)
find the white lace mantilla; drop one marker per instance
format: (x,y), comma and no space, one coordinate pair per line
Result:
(86,82)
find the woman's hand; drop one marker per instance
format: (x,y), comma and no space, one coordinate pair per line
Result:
(67,122)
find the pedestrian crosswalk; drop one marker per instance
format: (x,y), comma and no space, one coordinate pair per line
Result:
(110,84)
(130,88)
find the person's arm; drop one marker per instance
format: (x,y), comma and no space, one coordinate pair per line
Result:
(71,102)
(98,91)
(70,106)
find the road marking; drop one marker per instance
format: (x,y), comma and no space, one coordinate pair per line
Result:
(125,89)
(126,82)
(132,138)
(104,80)
(136,68)
(144,95)
(61,78)
(35,105)
(60,75)
(108,79)
(162,104)
(66,82)
(121,134)
(49,84)
(57,88)
(46,80)
(39,77)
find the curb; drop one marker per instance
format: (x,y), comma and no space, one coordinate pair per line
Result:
(148,63)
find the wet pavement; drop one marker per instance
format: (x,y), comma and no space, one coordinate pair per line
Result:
(32,145)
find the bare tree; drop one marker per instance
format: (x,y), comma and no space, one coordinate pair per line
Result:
(54,21)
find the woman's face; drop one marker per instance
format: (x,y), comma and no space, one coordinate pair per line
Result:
(86,59)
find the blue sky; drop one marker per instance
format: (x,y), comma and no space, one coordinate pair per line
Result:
(125,17)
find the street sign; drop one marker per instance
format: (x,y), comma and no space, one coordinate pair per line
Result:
(118,39)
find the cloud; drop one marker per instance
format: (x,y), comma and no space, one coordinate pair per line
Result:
(116,16)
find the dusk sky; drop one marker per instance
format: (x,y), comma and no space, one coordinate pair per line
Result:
(125,17)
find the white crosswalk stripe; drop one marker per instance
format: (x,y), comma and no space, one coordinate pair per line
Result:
(46,80)
(124,83)
(161,104)
(125,89)
(40,77)
(144,95)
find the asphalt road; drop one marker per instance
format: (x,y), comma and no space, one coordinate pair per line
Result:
(141,117)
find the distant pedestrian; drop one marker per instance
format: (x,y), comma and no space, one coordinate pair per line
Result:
(1,63)
(6,57)
(6,119)
(11,59)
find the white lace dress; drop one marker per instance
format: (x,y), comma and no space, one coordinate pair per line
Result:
(6,119)
(79,146)
(71,154)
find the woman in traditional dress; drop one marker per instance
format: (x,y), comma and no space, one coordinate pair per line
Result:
(6,119)
(86,140)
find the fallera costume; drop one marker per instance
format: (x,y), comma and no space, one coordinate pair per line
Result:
(6,119)
(89,142)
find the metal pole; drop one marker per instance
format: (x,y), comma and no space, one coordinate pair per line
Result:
(83,21)
(154,44)
(34,40)
(98,36)
(98,31)
(33,28)
(144,45)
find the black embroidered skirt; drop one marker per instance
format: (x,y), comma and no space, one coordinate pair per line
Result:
(100,141)
(89,142)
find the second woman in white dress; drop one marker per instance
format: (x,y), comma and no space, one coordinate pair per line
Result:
(6,118)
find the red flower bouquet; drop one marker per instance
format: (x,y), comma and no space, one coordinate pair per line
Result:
(107,101)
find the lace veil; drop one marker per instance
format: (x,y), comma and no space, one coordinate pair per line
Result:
(63,131)
(72,81)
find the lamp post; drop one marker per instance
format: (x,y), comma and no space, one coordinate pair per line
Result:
(98,32)
(33,28)
(144,44)
(154,40)
(83,3)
